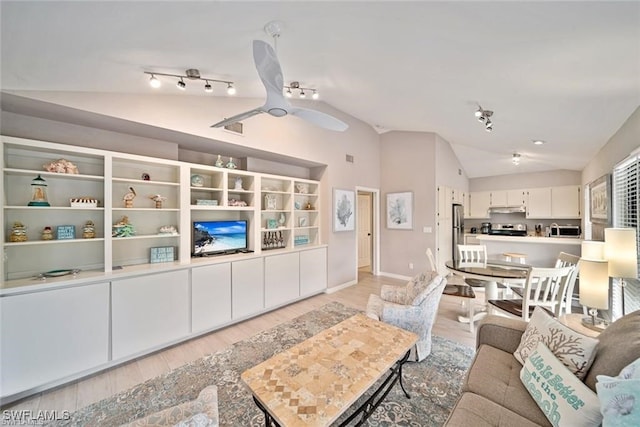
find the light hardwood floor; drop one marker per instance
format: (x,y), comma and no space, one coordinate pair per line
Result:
(99,386)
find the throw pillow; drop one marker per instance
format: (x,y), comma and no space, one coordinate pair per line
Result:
(574,350)
(620,397)
(563,398)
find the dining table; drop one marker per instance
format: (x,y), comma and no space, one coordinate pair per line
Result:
(490,272)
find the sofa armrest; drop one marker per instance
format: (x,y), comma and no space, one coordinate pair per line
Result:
(500,332)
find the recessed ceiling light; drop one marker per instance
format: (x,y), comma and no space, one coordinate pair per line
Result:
(538,142)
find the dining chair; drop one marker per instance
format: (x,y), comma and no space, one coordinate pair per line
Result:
(544,287)
(472,253)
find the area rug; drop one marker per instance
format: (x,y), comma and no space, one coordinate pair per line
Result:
(434,383)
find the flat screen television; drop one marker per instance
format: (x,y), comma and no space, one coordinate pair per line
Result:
(216,237)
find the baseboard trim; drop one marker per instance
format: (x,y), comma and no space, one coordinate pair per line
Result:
(340,287)
(395,276)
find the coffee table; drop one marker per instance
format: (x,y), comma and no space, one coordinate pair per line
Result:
(317,380)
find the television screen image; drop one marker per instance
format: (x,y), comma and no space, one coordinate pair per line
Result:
(211,237)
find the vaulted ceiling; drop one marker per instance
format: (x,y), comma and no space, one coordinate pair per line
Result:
(564,72)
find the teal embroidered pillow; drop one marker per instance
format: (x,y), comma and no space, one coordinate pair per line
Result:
(563,398)
(620,397)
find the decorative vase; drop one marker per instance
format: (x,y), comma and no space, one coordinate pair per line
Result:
(219,162)
(230,164)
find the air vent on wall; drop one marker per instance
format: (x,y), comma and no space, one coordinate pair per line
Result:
(349,158)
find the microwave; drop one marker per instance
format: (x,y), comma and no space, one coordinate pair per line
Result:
(565,231)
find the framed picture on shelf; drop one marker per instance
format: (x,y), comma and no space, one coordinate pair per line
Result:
(66,232)
(162,254)
(343,210)
(600,200)
(400,210)
(270,202)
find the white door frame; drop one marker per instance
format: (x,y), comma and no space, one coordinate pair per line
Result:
(375,228)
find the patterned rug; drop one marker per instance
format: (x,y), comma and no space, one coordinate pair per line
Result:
(434,383)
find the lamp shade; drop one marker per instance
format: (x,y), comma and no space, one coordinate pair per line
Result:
(594,283)
(592,250)
(621,252)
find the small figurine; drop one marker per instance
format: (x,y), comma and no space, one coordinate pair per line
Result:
(18,232)
(128,198)
(168,229)
(237,203)
(122,228)
(238,184)
(230,164)
(219,162)
(89,230)
(47,233)
(282,219)
(158,199)
(38,192)
(308,206)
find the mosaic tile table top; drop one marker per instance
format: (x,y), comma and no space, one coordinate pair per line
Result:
(315,381)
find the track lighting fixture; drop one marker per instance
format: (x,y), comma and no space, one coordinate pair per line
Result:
(191,74)
(302,94)
(484,116)
(515,159)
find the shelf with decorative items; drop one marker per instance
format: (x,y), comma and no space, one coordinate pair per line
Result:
(240,190)
(306,215)
(51,192)
(207,188)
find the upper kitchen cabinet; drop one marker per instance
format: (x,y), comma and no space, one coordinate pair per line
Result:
(565,202)
(539,203)
(508,198)
(479,203)
(446,197)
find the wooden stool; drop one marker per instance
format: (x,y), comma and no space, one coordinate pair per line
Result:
(509,256)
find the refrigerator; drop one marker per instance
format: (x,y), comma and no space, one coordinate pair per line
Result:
(457,229)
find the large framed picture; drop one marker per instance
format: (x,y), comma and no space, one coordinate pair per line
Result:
(344,202)
(400,210)
(600,200)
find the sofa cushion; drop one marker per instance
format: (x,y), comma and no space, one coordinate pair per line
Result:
(564,399)
(619,346)
(620,397)
(477,411)
(573,349)
(495,375)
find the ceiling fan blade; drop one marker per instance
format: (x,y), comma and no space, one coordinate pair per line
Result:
(238,117)
(318,118)
(270,73)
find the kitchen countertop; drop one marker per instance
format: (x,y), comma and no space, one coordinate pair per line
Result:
(530,239)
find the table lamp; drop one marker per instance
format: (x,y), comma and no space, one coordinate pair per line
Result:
(594,290)
(621,252)
(591,249)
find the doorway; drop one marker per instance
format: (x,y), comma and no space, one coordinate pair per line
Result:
(367,227)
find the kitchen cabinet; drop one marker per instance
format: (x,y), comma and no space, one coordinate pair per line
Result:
(565,202)
(479,203)
(445,198)
(50,335)
(539,203)
(508,198)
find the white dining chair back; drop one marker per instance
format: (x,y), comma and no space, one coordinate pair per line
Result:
(568,260)
(472,253)
(544,287)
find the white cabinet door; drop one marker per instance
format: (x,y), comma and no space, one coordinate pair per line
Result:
(516,198)
(210,296)
(149,311)
(445,196)
(247,287)
(479,202)
(467,205)
(539,203)
(281,279)
(457,196)
(313,271)
(499,198)
(49,335)
(565,202)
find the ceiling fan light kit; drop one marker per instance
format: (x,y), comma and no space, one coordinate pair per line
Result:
(190,74)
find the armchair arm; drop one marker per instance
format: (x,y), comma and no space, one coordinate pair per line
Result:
(408,317)
(500,332)
(391,293)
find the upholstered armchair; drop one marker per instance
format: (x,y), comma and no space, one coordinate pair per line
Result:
(412,307)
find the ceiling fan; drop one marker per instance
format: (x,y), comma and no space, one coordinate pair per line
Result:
(276,104)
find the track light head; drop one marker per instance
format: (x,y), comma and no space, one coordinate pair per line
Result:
(302,94)
(181,84)
(479,112)
(288,93)
(315,95)
(154,82)
(489,126)
(515,159)
(208,88)
(231,90)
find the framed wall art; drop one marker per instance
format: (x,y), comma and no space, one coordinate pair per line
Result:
(400,210)
(162,254)
(600,200)
(344,202)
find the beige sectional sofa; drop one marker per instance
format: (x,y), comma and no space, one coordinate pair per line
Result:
(493,394)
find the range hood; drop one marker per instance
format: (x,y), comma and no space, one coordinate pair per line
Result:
(507,209)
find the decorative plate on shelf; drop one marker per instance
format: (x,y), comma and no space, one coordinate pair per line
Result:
(197,181)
